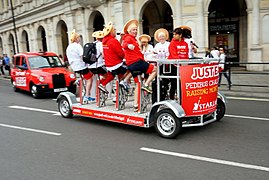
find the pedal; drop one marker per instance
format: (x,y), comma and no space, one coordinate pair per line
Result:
(103,98)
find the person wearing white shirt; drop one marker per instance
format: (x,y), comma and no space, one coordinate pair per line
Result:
(223,70)
(146,48)
(161,48)
(215,52)
(74,54)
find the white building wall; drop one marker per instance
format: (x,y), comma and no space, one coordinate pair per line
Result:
(33,13)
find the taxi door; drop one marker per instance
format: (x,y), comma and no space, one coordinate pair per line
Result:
(20,72)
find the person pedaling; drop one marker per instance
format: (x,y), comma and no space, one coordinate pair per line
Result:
(113,55)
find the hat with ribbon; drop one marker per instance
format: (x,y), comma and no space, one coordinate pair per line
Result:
(161,32)
(144,38)
(98,34)
(108,28)
(133,23)
(185,27)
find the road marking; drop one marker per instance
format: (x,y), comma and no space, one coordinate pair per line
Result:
(56,113)
(201,158)
(34,109)
(247,99)
(246,117)
(31,130)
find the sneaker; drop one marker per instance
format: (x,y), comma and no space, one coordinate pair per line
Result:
(114,100)
(85,99)
(125,85)
(91,99)
(102,88)
(147,88)
(135,108)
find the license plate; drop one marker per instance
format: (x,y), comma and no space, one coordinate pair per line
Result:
(60,89)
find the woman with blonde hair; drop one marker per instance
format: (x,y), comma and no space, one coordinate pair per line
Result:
(74,54)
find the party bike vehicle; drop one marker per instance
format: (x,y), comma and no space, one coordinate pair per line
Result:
(197,101)
(41,72)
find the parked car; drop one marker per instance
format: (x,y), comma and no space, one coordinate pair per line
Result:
(41,72)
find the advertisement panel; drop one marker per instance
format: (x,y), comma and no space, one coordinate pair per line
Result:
(199,88)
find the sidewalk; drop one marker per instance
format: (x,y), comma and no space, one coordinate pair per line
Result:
(246,84)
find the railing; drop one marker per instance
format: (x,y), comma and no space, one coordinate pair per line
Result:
(232,73)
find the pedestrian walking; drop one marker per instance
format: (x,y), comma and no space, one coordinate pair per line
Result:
(224,68)
(2,64)
(7,63)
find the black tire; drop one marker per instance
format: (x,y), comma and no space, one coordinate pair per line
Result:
(64,107)
(14,86)
(167,124)
(221,109)
(34,91)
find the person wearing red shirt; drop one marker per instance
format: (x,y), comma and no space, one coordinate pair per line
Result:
(113,57)
(178,49)
(135,59)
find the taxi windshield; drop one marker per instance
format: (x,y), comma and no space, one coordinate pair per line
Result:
(44,62)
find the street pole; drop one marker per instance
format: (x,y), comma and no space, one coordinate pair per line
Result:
(14,25)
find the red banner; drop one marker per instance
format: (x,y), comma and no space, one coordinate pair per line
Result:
(199,88)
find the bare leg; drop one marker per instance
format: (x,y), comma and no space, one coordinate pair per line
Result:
(151,76)
(136,95)
(88,87)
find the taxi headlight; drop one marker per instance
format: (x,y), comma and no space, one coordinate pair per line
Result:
(72,76)
(41,78)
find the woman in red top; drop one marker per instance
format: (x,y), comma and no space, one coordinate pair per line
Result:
(113,57)
(178,49)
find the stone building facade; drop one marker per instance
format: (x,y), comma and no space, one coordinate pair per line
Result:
(238,25)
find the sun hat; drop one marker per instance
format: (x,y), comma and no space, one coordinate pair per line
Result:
(144,37)
(185,27)
(130,25)
(160,32)
(108,28)
(98,34)
(74,36)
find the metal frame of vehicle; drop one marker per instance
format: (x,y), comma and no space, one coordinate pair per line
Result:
(168,116)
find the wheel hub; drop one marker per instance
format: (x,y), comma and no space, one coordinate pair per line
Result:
(167,124)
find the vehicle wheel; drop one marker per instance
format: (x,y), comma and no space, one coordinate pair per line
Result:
(34,91)
(221,109)
(167,124)
(14,86)
(64,108)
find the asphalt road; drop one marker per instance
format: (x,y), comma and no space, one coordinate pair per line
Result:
(38,144)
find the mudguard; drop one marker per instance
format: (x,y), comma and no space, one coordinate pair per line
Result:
(222,97)
(170,104)
(69,96)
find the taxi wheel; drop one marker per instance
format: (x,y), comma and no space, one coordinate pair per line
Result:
(64,107)
(14,86)
(34,91)
(167,124)
(220,109)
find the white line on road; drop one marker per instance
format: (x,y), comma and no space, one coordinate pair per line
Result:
(30,129)
(200,158)
(33,109)
(55,113)
(246,117)
(248,99)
